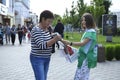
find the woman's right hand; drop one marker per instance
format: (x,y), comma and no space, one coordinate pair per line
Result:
(66,42)
(57,37)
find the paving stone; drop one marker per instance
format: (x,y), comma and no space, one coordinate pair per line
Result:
(15,65)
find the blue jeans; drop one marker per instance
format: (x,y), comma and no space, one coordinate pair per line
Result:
(40,67)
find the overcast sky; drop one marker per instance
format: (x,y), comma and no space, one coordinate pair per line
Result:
(59,6)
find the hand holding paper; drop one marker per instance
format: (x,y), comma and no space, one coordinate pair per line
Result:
(65,42)
(71,53)
(56,36)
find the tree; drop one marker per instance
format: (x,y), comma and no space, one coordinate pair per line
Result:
(96,9)
(107,4)
(66,17)
(81,9)
(56,17)
(72,15)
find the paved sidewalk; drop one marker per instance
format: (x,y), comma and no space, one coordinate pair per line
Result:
(15,65)
(62,70)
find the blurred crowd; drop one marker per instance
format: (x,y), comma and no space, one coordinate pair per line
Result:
(8,33)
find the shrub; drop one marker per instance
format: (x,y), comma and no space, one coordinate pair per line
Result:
(118,31)
(109,52)
(117,52)
(100,30)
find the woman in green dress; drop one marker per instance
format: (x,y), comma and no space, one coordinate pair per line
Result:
(88,50)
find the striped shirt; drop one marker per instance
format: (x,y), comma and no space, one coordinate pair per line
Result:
(39,39)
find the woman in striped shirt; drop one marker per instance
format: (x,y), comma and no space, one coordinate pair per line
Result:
(41,45)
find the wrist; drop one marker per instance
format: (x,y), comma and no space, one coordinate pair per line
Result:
(54,39)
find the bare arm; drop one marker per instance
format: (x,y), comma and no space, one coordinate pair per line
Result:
(52,41)
(85,41)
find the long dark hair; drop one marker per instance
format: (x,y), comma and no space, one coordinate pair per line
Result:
(90,23)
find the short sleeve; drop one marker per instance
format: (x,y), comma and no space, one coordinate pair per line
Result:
(90,35)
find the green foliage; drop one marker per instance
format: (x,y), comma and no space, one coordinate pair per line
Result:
(118,31)
(74,15)
(112,49)
(76,36)
(56,17)
(109,52)
(100,30)
(66,17)
(81,7)
(107,4)
(117,52)
(96,9)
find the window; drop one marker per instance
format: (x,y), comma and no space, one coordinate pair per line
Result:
(0,1)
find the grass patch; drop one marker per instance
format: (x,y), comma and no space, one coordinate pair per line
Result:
(76,36)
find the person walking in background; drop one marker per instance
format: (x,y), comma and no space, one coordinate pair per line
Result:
(7,33)
(1,28)
(87,58)
(29,32)
(24,32)
(29,35)
(60,29)
(30,27)
(13,34)
(20,33)
(1,34)
(41,45)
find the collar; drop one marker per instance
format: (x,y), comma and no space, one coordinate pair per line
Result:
(90,30)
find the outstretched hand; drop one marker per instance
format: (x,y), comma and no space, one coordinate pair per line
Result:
(57,37)
(65,42)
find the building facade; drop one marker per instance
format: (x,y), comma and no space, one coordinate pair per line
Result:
(3,10)
(34,18)
(7,12)
(22,12)
(17,12)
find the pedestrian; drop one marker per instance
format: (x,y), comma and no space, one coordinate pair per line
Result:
(29,32)
(59,28)
(87,58)
(13,34)
(41,42)
(1,34)
(30,27)
(7,33)
(1,29)
(20,33)
(29,36)
(24,32)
